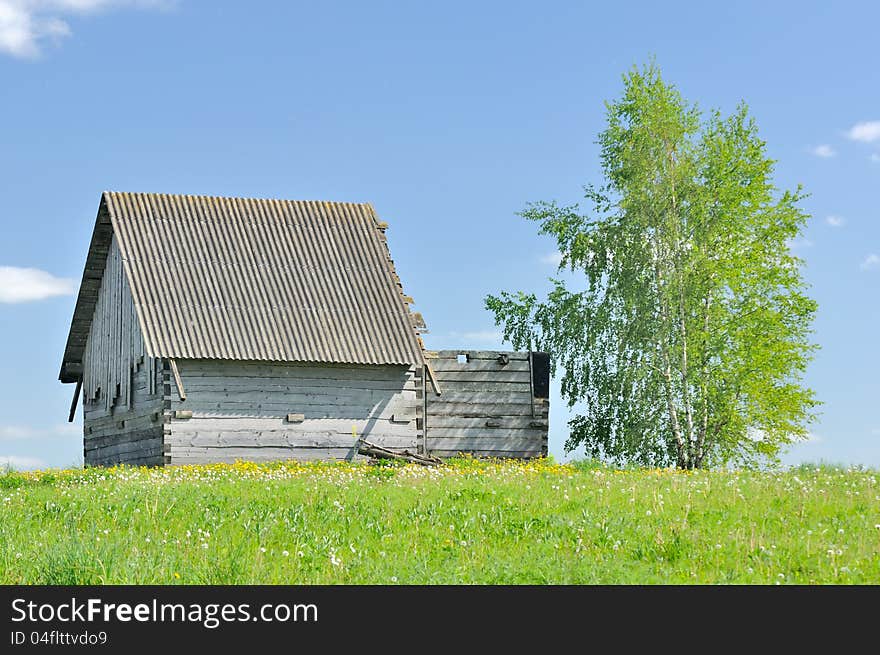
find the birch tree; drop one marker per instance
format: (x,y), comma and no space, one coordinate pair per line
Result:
(688,339)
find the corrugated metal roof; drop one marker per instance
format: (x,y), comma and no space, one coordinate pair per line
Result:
(252,279)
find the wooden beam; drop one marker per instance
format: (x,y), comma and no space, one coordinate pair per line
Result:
(433,375)
(378,452)
(75,400)
(532,385)
(180,391)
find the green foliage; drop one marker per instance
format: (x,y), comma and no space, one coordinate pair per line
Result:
(689,340)
(471,522)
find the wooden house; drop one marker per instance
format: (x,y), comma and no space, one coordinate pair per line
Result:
(212,329)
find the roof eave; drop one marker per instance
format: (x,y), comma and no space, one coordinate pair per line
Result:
(93,272)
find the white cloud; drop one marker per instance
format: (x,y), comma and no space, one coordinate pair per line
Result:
(870,262)
(25,284)
(835,221)
(866,131)
(26,24)
(823,150)
(11,432)
(554,258)
(20,463)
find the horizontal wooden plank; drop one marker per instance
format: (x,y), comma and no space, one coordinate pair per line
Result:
(485,444)
(492,434)
(146,460)
(135,448)
(478,365)
(476,410)
(325,396)
(509,423)
(271,410)
(279,424)
(483,376)
(300,385)
(109,425)
(482,354)
(281,440)
(484,386)
(479,397)
(525,454)
(91,442)
(230,455)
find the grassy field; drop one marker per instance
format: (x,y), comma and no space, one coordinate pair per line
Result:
(468,522)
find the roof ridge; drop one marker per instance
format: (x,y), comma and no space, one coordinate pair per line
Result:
(222,197)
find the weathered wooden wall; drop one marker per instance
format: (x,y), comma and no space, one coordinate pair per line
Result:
(128,434)
(249,410)
(485,408)
(115,345)
(122,391)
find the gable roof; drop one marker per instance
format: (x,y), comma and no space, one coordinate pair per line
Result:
(250,279)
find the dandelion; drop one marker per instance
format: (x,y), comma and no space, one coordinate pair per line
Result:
(463,543)
(393,578)
(177,575)
(648,513)
(262,550)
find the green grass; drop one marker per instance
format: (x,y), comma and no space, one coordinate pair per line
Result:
(468,522)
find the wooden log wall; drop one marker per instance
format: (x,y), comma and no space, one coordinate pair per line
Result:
(487,405)
(263,411)
(115,345)
(128,435)
(122,391)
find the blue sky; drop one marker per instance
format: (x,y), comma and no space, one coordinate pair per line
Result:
(449,117)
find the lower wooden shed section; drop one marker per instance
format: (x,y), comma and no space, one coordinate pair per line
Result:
(491,404)
(261,411)
(482,403)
